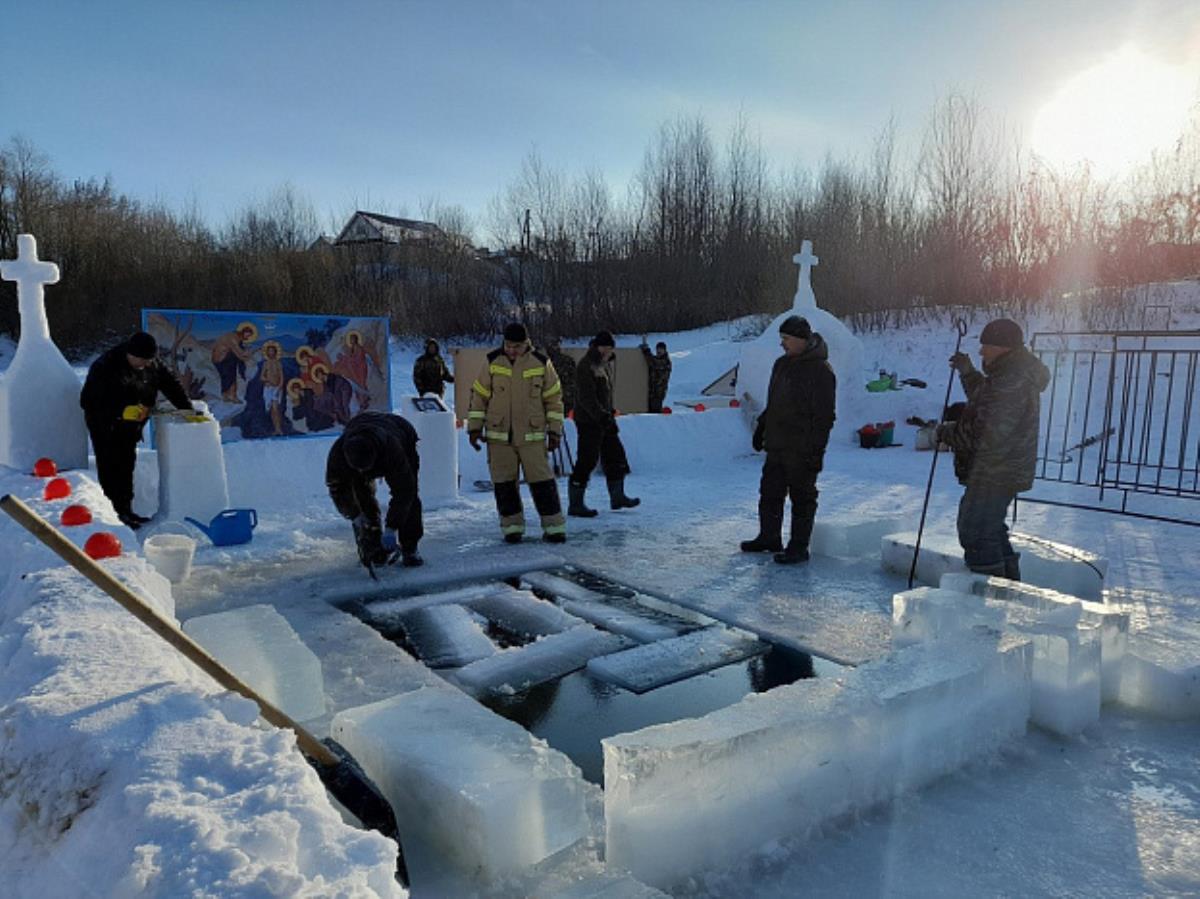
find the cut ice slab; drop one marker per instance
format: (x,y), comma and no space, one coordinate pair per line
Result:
(258,645)
(605,612)
(521,667)
(850,538)
(644,668)
(446,636)
(469,788)
(1113,622)
(929,613)
(520,612)
(1044,563)
(1161,674)
(388,611)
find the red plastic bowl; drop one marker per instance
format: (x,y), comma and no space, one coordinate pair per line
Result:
(103,545)
(56,489)
(45,468)
(75,515)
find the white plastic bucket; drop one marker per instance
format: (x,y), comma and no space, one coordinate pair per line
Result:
(171,555)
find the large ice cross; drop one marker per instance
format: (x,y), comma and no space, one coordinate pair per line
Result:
(806,260)
(31,274)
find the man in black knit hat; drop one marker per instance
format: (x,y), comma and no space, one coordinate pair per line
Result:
(995,442)
(118,395)
(794,430)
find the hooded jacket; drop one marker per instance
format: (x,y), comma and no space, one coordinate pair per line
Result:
(430,371)
(801,401)
(995,439)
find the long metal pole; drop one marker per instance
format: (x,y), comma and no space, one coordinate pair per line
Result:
(960,326)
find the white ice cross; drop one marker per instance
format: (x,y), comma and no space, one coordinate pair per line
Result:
(31,274)
(806,260)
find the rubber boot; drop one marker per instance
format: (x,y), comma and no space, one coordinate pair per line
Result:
(575,504)
(770,524)
(802,526)
(616,495)
(1012,567)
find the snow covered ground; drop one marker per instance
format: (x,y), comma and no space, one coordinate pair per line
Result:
(124,771)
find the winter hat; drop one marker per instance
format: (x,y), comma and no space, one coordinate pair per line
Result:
(431,343)
(1002,332)
(796,326)
(360,451)
(142,345)
(515,333)
(604,338)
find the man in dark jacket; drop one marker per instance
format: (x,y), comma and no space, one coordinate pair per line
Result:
(378,445)
(995,443)
(118,395)
(430,374)
(658,368)
(794,430)
(596,426)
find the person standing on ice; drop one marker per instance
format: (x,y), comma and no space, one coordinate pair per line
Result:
(430,374)
(516,405)
(995,443)
(599,436)
(794,430)
(121,388)
(658,364)
(377,445)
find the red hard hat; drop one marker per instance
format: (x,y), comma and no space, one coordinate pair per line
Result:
(56,489)
(103,545)
(45,467)
(74,515)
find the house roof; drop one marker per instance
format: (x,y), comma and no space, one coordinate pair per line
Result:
(385,228)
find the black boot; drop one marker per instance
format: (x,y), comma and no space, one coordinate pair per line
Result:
(575,504)
(762,544)
(770,523)
(802,525)
(410,558)
(793,555)
(616,495)
(1012,567)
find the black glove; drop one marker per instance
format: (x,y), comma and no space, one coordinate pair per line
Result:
(553,440)
(757,440)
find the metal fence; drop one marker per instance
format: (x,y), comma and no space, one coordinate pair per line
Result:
(1121,417)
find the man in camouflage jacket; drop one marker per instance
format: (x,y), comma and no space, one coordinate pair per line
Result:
(995,443)
(658,366)
(516,404)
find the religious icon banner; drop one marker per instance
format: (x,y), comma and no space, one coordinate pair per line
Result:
(276,374)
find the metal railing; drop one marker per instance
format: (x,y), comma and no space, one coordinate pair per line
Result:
(1122,416)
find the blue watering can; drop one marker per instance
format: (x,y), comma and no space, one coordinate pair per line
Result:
(229,528)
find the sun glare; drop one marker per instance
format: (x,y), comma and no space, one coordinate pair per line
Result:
(1115,114)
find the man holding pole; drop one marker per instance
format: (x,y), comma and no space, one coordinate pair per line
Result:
(995,443)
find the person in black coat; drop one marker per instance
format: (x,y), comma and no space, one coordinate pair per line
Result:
(596,426)
(121,389)
(378,445)
(794,430)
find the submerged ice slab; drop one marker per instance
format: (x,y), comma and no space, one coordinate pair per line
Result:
(386,611)
(1113,623)
(258,645)
(1161,674)
(446,636)
(469,788)
(704,792)
(521,667)
(603,611)
(652,665)
(1045,563)
(520,612)
(850,538)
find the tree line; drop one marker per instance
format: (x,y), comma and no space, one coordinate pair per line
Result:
(705,232)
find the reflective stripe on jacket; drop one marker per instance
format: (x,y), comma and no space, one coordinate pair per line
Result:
(516,402)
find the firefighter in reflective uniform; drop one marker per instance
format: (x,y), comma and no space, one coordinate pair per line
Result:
(516,405)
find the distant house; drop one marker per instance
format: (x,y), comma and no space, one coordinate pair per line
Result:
(371,227)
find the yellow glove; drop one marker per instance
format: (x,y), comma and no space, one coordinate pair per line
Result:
(135,412)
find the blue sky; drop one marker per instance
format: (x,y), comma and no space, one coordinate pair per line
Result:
(386,105)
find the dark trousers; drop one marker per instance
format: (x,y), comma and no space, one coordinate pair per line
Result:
(116,455)
(656,401)
(346,498)
(787,474)
(981,528)
(599,444)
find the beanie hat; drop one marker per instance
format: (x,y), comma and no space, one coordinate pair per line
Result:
(142,345)
(604,338)
(1002,332)
(796,326)
(516,333)
(360,451)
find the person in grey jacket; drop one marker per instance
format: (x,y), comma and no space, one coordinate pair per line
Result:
(995,443)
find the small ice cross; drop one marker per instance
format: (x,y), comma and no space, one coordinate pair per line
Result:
(31,274)
(806,260)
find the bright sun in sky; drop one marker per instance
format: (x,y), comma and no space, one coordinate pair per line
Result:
(1116,113)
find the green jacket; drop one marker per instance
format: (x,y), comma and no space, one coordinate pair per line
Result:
(995,439)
